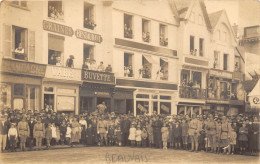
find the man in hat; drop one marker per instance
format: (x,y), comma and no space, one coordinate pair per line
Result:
(210,128)
(69,62)
(193,132)
(102,129)
(4,127)
(125,126)
(23,132)
(31,124)
(157,125)
(38,133)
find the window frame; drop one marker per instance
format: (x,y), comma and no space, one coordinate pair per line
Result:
(164,42)
(62,7)
(25,40)
(92,6)
(131,36)
(126,73)
(201,47)
(225,64)
(62,62)
(146,38)
(192,46)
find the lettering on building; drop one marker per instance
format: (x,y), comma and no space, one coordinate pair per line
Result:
(57,28)
(100,77)
(88,36)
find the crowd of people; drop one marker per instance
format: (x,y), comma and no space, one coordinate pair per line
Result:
(55,13)
(89,22)
(91,65)
(28,130)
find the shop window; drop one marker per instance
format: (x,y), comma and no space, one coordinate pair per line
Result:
(154,96)
(163,35)
(237,63)
(181,110)
(146,30)
(185,77)
(196,79)
(216,60)
(88,56)
(22,4)
(20,43)
(142,107)
(163,72)
(165,108)
(165,97)
(55,10)
(128,26)
(129,106)
(56,49)
(18,89)
(86,104)
(5,95)
(128,65)
(119,106)
(48,89)
(89,21)
(143,96)
(155,107)
(225,62)
(146,70)
(192,50)
(224,90)
(233,94)
(201,45)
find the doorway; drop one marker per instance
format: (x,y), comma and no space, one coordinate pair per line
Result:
(49,100)
(107,102)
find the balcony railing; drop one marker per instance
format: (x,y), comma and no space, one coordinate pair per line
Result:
(192,93)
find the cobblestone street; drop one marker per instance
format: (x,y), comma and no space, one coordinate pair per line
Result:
(121,155)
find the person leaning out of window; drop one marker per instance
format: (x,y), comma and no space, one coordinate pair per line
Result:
(69,62)
(19,52)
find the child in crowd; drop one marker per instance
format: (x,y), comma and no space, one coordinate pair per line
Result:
(165,135)
(118,134)
(110,136)
(232,140)
(132,135)
(53,134)
(63,130)
(48,135)
(68,134)
(144,137)
(12,136)
(177,134)
(171,138)
(138,136)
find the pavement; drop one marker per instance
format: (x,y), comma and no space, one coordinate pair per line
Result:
(120,155)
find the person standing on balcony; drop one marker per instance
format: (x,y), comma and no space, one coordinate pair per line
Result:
(69,62)
(108,68)
(101,67)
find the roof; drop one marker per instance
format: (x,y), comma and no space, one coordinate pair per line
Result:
(256,90)
(249,85)
(182,7)
(214,17)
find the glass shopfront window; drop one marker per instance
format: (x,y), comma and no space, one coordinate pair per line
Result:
(5,95)
(142,107)
(165,108)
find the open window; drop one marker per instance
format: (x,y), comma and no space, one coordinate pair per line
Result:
(89,21)
(146,30)
(55,10)
(128,26)
(147,66)
(163,72)
(196,79)
(237,63)
(201,45)
(55,49)
(163,35)
(128,65)
(216,60)
(88,58)
(20,43)
(193,51)
(185,77)
(225,62)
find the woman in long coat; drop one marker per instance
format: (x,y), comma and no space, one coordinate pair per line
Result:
(76,132)
(254,136)
(243,138)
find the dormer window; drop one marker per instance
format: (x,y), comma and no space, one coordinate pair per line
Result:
(146,30)
(89,21)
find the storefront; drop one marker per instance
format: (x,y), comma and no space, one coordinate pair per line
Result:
(21,84)
(189,109)
(97,87)
(61,89)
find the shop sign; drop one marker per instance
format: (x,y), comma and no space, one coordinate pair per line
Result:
(64,73)
(219,73)
(218,101)
(165,108)
(88,36)
(21,67)
(142,108)
(102,94)
(98,77)
(57,28)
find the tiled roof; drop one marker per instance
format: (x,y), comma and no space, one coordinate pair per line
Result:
(214,17)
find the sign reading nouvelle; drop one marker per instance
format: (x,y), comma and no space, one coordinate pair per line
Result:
(57,28)
(64,73)
(98,77)
(88,36)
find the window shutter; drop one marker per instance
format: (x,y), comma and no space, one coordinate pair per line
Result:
(7,41)
(31,45)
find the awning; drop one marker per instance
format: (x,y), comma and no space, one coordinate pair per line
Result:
(149,59)
(56,43)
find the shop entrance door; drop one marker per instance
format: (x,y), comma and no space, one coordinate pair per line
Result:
(129,106)
(107,102)
(49,100)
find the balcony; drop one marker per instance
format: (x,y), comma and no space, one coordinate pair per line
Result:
(98,77)
(192,93)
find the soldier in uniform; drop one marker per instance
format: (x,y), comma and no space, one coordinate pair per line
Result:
(193,132)
(38,133)
(23,132)
(102,129)
(211,131)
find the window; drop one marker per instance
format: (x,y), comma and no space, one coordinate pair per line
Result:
(22,4)
(128,26)
(146,71)
(201,42)
(225,62)
(89,21)
(163,35)
(20,43)
(56,49)
(225,36)
(192,50)
(185,77)
(143,96)
(237,63)
(88,53)
(233,94)
(128,65)
(224,90)
(18,89)
(163,72)
(146,30)
(196,79)
(200,20)
(142,107)
(216,60)
(165,108)
(55,10)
